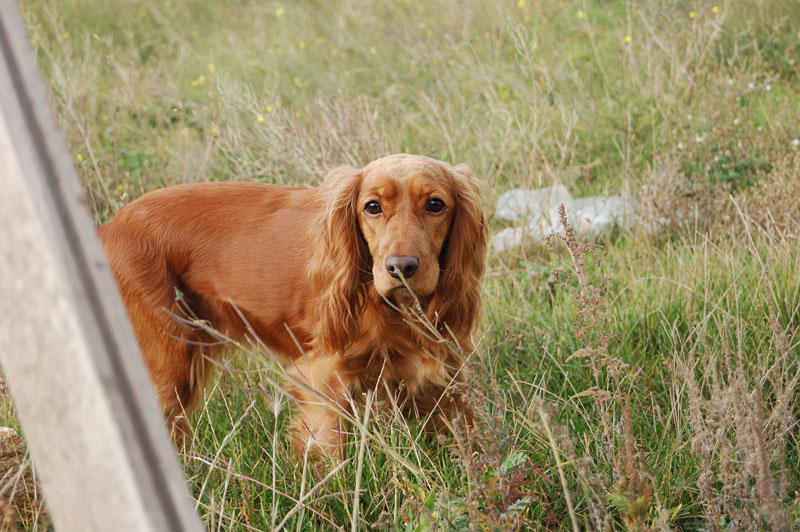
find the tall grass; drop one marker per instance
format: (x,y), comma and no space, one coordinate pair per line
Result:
(647,384)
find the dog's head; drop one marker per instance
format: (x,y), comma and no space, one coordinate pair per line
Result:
(404,222)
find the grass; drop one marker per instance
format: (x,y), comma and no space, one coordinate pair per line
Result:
(652,388)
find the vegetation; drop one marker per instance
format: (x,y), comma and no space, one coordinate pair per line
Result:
(647,384)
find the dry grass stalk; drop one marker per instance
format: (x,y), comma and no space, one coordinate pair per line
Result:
(632,490)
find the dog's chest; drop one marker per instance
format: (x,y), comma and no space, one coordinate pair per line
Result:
(410,371)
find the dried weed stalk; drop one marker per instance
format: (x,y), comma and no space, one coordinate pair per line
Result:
(632,490)
(739,431)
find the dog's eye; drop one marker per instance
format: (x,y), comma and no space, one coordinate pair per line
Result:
(373,208)
(434,206)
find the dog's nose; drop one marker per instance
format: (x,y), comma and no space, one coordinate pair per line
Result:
(402,264)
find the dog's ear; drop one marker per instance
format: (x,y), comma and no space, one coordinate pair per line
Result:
(339,265)
(457,300)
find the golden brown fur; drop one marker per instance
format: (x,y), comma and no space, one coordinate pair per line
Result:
(313,261)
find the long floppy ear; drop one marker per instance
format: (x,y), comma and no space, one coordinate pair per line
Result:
(339,266)
(457,299)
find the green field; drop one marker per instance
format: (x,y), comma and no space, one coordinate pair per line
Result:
(652,386)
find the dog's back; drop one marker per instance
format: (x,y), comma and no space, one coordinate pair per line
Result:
(186,252)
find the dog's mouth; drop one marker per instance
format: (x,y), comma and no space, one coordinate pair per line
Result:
(396,292)
(402,290)
(402,293)
(401,297)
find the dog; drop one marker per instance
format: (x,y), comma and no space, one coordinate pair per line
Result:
(368,282)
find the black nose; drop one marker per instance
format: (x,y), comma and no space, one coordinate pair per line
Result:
(402,264)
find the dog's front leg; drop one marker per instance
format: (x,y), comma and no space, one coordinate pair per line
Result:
(441,404)
(322,399)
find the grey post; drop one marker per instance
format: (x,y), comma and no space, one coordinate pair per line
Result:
(84,399)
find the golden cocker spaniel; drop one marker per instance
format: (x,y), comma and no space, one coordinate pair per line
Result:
(320,275)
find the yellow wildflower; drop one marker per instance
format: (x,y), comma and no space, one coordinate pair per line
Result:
(212,68)
(280,11)
(692,14)
(260,119)
(302,44)
(627,39)
(521,4)
(581,14)
(715,10)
